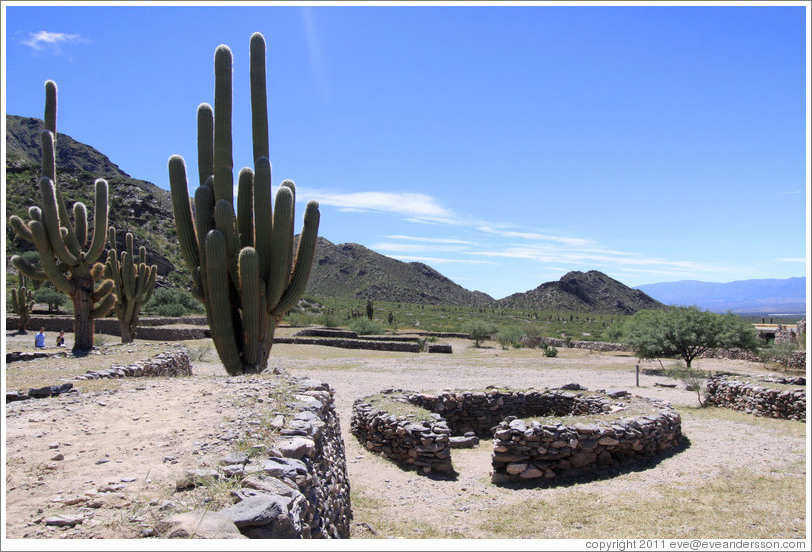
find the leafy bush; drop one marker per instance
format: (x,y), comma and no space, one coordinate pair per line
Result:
(329,320)
(298,319)
(53,298)
(509,336)
(551,352)
(365,326)
(479,330)
(532,336)
(172,302)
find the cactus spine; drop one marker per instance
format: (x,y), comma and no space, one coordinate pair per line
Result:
(242,264)
(67,259)
(22,302)
(133,282)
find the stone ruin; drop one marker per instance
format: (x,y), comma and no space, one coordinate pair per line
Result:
(617,430)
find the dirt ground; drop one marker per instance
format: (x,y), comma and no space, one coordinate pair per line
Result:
(112,456)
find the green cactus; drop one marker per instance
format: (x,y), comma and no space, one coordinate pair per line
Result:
(133,282)
(66,258)
(22,302)
(242,264)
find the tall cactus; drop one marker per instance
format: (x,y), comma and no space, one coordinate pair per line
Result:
(68,252)
(133,282)
(242,265)
(22,302)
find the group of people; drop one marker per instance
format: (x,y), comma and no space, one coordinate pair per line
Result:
(39,339)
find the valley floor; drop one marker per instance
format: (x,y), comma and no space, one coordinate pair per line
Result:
(124,443)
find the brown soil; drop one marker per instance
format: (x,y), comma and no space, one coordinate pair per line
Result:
(123,447)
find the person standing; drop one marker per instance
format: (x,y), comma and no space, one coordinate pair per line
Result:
(39,339)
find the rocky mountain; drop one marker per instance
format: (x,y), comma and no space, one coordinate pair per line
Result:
(352,270)
(344,270)
(591,291)
(136,206)
(756,296)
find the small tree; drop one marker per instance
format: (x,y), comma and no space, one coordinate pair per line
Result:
(51,297)
(479,330)
(370,309)
(686,332)
(509,336)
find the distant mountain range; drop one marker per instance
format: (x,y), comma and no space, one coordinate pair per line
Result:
(765,296)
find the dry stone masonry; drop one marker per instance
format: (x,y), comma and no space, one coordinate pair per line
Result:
(620,429)
(167,364)
(760,396)
(296,487)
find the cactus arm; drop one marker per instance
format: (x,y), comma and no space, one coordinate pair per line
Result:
(52,222)
(245,207)
(48,143)
(34,212)
(97,271)
(259,97)
(50,106)
(103,290)
(205,142)
(20,228)
(250,301)
(204,222)
(142,255)
(46,259)
(101,217)
(223,162)
(104,308)
(112,271)
(80,225)
(182,210)
(222,328)
(150,285)
(263,223)
(281,255)
(127,276)
(27,270)
(225,223)
(304,260)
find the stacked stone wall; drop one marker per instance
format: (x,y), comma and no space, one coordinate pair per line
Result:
(601,346)
(524,452)
(167,364)
(424,445)
(299,488)
(758,398)
(534,452)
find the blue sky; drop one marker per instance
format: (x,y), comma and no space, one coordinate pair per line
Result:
(502,145)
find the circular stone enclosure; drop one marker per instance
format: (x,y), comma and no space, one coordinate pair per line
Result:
(539,436)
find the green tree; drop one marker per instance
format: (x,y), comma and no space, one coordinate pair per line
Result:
(479,330)
(686,332)
(51,297)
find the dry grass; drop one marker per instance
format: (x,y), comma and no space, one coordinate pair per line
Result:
(741,504)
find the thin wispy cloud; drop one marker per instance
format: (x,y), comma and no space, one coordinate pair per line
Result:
(408,258)
(53,42)
(315,51)
(536,236)
(792,260)
(410,247)
(429,240)
(412,206)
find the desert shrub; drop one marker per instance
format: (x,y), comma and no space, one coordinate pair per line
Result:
(479,330)
(509,336)
(328,320)
(694,380)
(199,354)
(551,352)
(365,326)
(532,336)
(781,353)
(172,302)
(298,319)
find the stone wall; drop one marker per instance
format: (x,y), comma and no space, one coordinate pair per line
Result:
(591,345)
(535,452)
(423,445)
(526,452)
(395,346)
(167,364)
(755,396)
(297,488)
